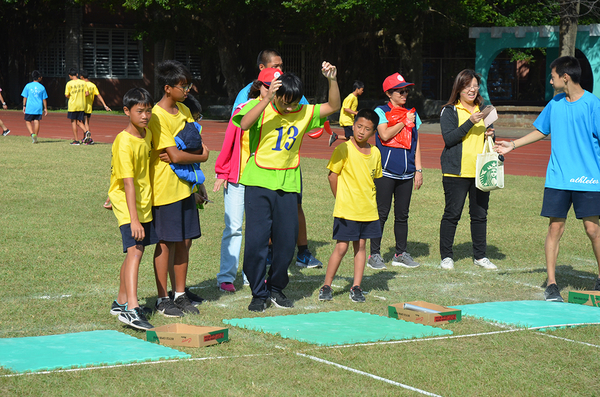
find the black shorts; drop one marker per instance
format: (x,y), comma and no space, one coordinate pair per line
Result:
(558,202)
(177,221)
(347,230)
(348,131)
(88,115)
(32,117)
(78,116)
(128,241)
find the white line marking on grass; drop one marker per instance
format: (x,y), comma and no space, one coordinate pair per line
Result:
(569,340)
(356,371)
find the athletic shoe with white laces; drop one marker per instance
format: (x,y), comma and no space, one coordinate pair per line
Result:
(325,293)
(195,299)
(280,300)
(376,262)
(5,132)
(356,295)
(308,260)
(168,309)
(447,263)
(184,304)
(552,293)
(485,263)
(135,318)
(404,260)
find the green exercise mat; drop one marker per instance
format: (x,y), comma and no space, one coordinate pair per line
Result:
(81,349)
(532,314)
(338,328)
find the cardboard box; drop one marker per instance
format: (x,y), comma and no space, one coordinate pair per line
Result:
(588,298)
(444,314)
(187,335)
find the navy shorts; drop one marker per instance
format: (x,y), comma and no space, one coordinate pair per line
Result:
(558,202)
(348,131)
(88,115)
(347,230)
(177,221)
(32,117)
(149,238)
(75,115)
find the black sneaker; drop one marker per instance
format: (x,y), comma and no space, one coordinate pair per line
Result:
(194,299)
(86,137)
(168,309)
(75,143)
(552,293)
(257,305)
(184,304)
(281,301)
(325,293)
(135,318)
(597,286)
(5,132)
(116,308)
(333,138)
(356,294)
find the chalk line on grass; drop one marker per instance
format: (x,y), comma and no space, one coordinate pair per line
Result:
(359,372)
(569,340)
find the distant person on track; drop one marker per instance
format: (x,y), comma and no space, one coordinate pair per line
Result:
(75,91)
(5,131)
(348,111)
(92,93)
(34,104)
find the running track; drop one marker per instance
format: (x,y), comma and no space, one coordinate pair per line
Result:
(530,160)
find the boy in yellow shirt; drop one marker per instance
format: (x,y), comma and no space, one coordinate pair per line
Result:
(92,93)
(131,196)
(75,91)
(352,169)
(348,111)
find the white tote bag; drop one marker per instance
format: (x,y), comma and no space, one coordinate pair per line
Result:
(489,169)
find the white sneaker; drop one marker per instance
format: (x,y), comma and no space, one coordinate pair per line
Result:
(485,263)
(447,263)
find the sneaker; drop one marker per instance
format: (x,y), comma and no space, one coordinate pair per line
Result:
(168,309)
(90,142)
(404,260)
(308,260)
(333,138)
(34,138)
(75,143)
(325,293)
(447,263)
(356,294)
(116,308)
(246,283)
(86,137)
(227,287)
(552,294)
(257,305)
(485,263)
(281,301)
(597,286)
(195,299)
(376,262)
(5,132)
(184,304)
(135,318)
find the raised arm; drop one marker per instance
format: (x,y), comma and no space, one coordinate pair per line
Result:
(253,114)
(334,102)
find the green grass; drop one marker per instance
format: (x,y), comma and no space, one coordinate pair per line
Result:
(60,254)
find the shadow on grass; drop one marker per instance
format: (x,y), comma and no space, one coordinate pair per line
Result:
(465,250)
(566,275)
(414,248)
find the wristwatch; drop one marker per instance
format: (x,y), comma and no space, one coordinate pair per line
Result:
(421,171)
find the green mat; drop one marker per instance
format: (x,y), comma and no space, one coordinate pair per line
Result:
(82,349)
(338,328)
(533,314)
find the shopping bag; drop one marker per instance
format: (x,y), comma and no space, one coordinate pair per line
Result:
(489,169)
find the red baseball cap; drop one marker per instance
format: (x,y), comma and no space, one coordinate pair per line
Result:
(394,81)
(268,74)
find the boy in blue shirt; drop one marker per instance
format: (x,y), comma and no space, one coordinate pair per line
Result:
(573,174)
(34,104)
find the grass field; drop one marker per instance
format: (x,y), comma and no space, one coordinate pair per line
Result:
(60,254)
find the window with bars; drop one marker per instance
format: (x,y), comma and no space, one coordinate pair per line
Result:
(112,53)
(189,58)
(51,61)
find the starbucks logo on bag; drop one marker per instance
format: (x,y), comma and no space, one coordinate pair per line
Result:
(488,175)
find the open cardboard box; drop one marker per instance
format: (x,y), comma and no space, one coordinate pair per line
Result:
(187,335)
(588,298)
(430,313)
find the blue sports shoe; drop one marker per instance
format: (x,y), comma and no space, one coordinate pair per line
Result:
(308,260)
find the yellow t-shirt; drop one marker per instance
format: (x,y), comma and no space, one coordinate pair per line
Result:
(131,159)
(351,102)
(166,186)
(356,192)
(244,151)
(76,91)
(89,100)
(472,143)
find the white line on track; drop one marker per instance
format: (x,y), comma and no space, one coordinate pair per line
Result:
(356,371)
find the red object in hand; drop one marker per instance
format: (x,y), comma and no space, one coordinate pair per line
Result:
(317,133)
(402,139)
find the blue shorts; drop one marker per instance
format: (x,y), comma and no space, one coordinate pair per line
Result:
(347,230)
(78,116)
(558,202)
(32,117)
(128,241)
(177,221)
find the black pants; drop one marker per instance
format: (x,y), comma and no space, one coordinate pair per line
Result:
(401,191)
(455,192)
(269,214)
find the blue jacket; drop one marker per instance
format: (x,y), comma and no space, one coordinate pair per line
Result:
(397,161)
(189,139)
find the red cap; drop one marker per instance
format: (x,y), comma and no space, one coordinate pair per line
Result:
(268,74)
(394,81)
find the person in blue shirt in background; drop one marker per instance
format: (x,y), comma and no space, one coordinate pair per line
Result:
(34,104)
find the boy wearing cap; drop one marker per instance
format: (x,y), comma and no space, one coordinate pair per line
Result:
(397,139)
(277,125)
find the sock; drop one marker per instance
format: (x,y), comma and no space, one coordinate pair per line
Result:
(160,300)
(178,294)
(301,249)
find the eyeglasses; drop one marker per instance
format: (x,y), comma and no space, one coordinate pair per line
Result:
(473,88)
(185,88)
(402,91)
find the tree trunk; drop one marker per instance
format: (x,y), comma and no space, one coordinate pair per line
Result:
(569,16)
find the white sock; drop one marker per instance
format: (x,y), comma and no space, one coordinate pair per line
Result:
(178,294)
